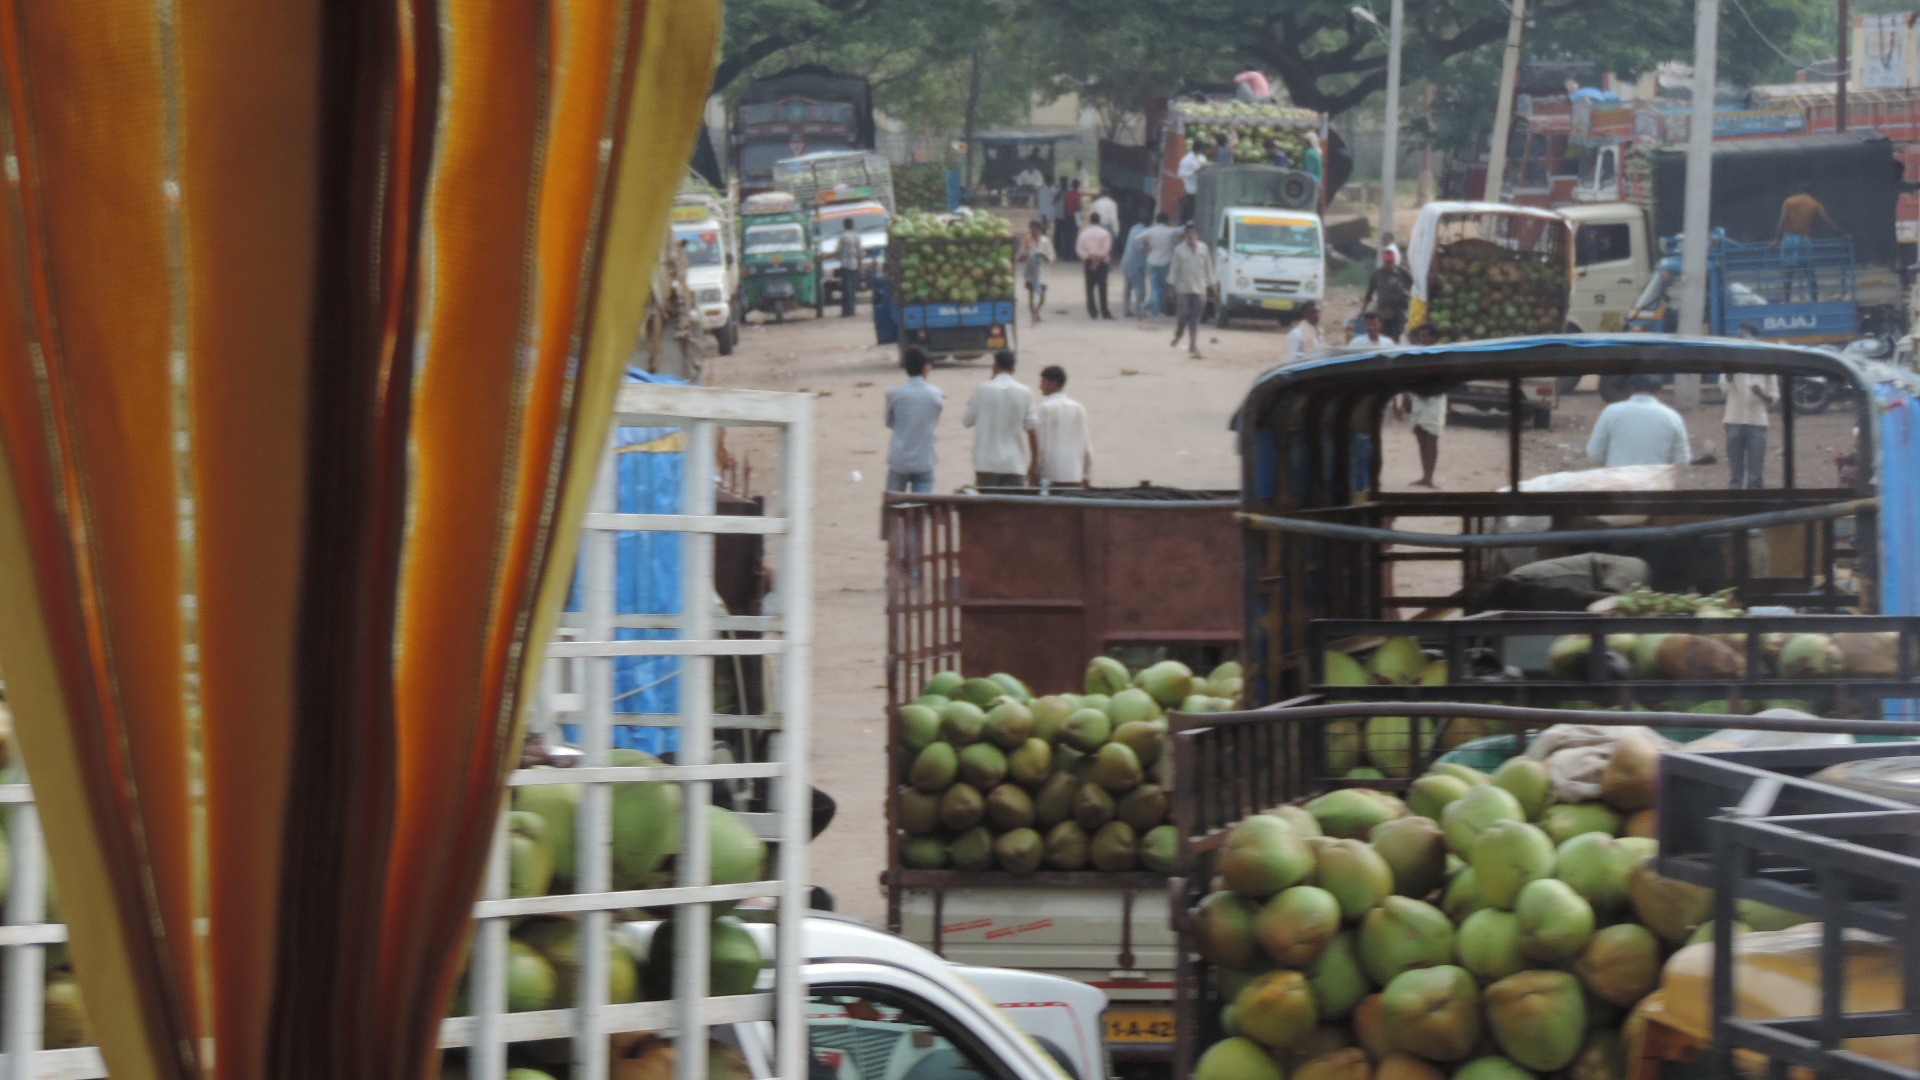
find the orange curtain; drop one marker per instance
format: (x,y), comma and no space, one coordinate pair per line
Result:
(311,314)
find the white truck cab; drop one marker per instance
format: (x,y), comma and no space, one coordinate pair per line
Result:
(870,219)
(882,1008)
(1269,262)
(1613,258)
(713,276)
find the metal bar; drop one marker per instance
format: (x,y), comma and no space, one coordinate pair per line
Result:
(613,774)
(691,929)
(1366,534)
(895,498)
(718,524)
(1726,874)
(518,907)
(667,405)
(82,1063)
(694,649)
(25,964)
(487,970)
(593,852)
(753,624)
(656,1016)
(791,1045)
(1178,721)
(1513,429)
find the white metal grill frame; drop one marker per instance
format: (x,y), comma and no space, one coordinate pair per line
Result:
(587,640)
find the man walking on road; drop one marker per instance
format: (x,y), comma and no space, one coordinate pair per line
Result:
(1428,412)
(913,412)
(1133,272)
(1159,240)
(1067,237)
(851,257)
(1190,272)
(1640,430)
(1108,210)
(1064,455)
(1749,396)
(1003,415)
(1095,248)
(1035,251)
(1305,335)
(1388,289)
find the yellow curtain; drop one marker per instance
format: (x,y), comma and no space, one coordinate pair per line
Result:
(311,314)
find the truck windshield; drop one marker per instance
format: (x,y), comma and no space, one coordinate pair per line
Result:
(1271,236)
(762,239)
(831,225)
(703,246)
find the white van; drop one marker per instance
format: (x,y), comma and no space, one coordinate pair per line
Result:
(713,276)
(1269,262)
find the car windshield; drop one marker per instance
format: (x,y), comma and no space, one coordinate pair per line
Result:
(1271,236)
(761,239)
(831,225)
(703,246)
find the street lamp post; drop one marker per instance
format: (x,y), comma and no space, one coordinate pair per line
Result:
(1503,113)
(1390,144)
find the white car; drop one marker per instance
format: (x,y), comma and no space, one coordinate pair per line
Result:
(883,1008)
(870,219)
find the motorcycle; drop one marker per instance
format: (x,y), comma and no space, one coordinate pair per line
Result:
(1814,394)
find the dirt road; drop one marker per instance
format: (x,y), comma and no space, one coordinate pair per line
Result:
(1156,416)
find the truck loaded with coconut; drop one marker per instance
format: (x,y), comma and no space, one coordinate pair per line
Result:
(1413,662)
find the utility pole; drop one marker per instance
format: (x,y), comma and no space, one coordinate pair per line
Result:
(1390,149)
(1845,64)
(1503,113)
(1699,201)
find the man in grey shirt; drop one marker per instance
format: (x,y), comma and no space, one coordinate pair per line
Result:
(913,411)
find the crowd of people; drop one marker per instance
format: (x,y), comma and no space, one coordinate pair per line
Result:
(1020,439)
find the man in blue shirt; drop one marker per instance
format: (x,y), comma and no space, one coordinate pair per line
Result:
(1640,430)
(913,412)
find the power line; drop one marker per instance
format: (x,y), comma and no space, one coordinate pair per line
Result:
(1755,27)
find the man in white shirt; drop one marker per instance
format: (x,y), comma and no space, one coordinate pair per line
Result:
(1159,240)
(1109,212)
(1373,333)
(1640,430)
(1065,451)
(1003,415)
(1305,335)
(1749,396)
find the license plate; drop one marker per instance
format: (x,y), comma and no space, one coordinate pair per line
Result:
(1277,305)
(1146,1026)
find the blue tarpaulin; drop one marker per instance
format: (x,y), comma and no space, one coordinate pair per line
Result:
(651,465)
(1899,491)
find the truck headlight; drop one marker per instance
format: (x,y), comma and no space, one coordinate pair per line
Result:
(711,296)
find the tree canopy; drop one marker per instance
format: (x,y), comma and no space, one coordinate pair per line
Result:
(925,55)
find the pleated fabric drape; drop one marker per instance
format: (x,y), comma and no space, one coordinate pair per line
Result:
(311,314)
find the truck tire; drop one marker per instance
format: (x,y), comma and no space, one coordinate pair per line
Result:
(1541,417)
(1567,384)
(1221,318)
(725,338)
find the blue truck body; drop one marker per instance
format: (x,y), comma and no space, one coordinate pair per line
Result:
(1804,293)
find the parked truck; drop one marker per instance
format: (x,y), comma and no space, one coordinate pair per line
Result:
(1195,121)
(1262,223)
(1324,559)
(796,112)
(1856,176)
(950,278)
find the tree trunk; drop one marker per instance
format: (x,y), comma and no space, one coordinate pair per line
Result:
(973,105)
